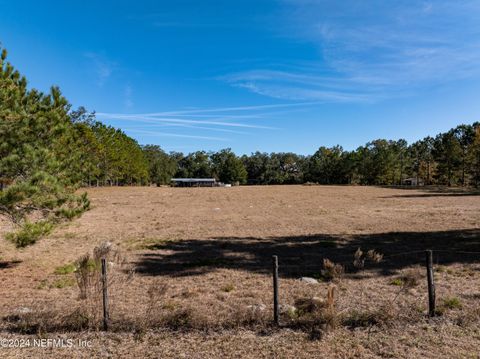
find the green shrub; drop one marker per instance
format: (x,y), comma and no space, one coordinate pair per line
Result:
(29,233)
(397,281)
(228,288)
(43,284)
(65,269)
(452,303)
(408,279)
(63,283)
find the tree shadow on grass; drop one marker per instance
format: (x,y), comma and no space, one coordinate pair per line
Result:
(303,255)
(433,191)
(8,264)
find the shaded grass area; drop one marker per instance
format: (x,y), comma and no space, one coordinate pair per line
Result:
(9,264)
(300,255)
(434,191)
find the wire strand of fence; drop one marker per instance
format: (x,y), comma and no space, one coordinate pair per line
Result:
(457,252)
(403,253)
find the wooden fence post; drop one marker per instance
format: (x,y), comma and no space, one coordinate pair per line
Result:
(431,283)
(105,294)
(275,290)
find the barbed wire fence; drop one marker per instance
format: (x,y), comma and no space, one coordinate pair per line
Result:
(429,259)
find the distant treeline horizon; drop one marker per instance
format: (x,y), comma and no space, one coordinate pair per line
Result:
(449,158)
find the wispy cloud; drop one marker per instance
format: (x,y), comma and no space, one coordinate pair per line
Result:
(196,127)
(128,96)
(227,109)
(101,66)
(167,134)
(192,123)
(369,50)
(153,119)
(409,49)
(298,86)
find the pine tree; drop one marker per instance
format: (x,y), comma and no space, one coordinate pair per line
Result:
(473,157)
(34,163)
(447,153)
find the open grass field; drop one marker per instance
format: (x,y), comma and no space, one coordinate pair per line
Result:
(202,281)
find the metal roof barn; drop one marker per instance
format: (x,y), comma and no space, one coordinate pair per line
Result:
(194,182)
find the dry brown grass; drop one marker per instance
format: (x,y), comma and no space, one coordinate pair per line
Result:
(331,271)
(203,287)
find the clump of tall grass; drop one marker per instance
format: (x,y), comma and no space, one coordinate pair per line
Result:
(382,316)
(408,279)
(331,271)
(317,315)
(88,274)
(372,256)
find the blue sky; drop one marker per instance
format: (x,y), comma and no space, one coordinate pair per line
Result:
(255,75)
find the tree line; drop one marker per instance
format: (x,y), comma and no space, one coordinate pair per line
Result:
(450,158)
(49,150)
